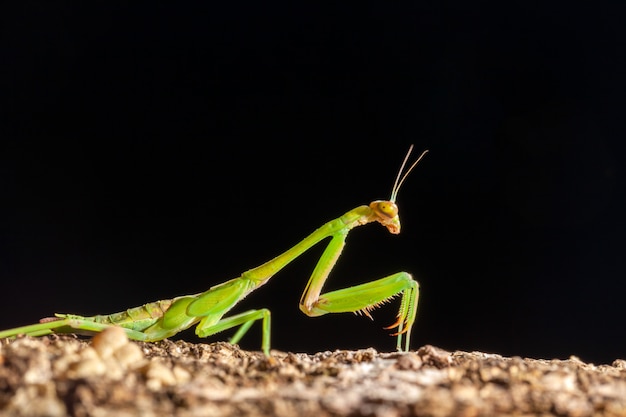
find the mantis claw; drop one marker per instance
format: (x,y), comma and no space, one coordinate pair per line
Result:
(397,324)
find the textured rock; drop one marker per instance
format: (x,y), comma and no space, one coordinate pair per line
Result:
(110,376)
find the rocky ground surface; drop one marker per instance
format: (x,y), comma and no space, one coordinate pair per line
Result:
(110,376)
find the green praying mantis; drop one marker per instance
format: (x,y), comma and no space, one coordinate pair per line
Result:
(161,319)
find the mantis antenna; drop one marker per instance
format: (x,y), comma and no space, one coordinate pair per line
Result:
(400,178)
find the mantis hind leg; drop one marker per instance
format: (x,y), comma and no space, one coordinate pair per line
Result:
(67,325)
(80,325)
(39,329)
(245,320)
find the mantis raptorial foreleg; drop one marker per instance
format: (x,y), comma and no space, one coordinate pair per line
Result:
(162,319)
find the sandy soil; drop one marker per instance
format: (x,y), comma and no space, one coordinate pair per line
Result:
(110,376)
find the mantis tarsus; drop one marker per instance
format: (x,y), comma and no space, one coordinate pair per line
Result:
(161,319)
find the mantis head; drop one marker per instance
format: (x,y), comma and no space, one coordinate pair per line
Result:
(386,211)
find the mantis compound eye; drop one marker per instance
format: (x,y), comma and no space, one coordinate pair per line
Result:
(387,208)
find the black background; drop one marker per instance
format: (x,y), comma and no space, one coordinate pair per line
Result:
(151,150)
